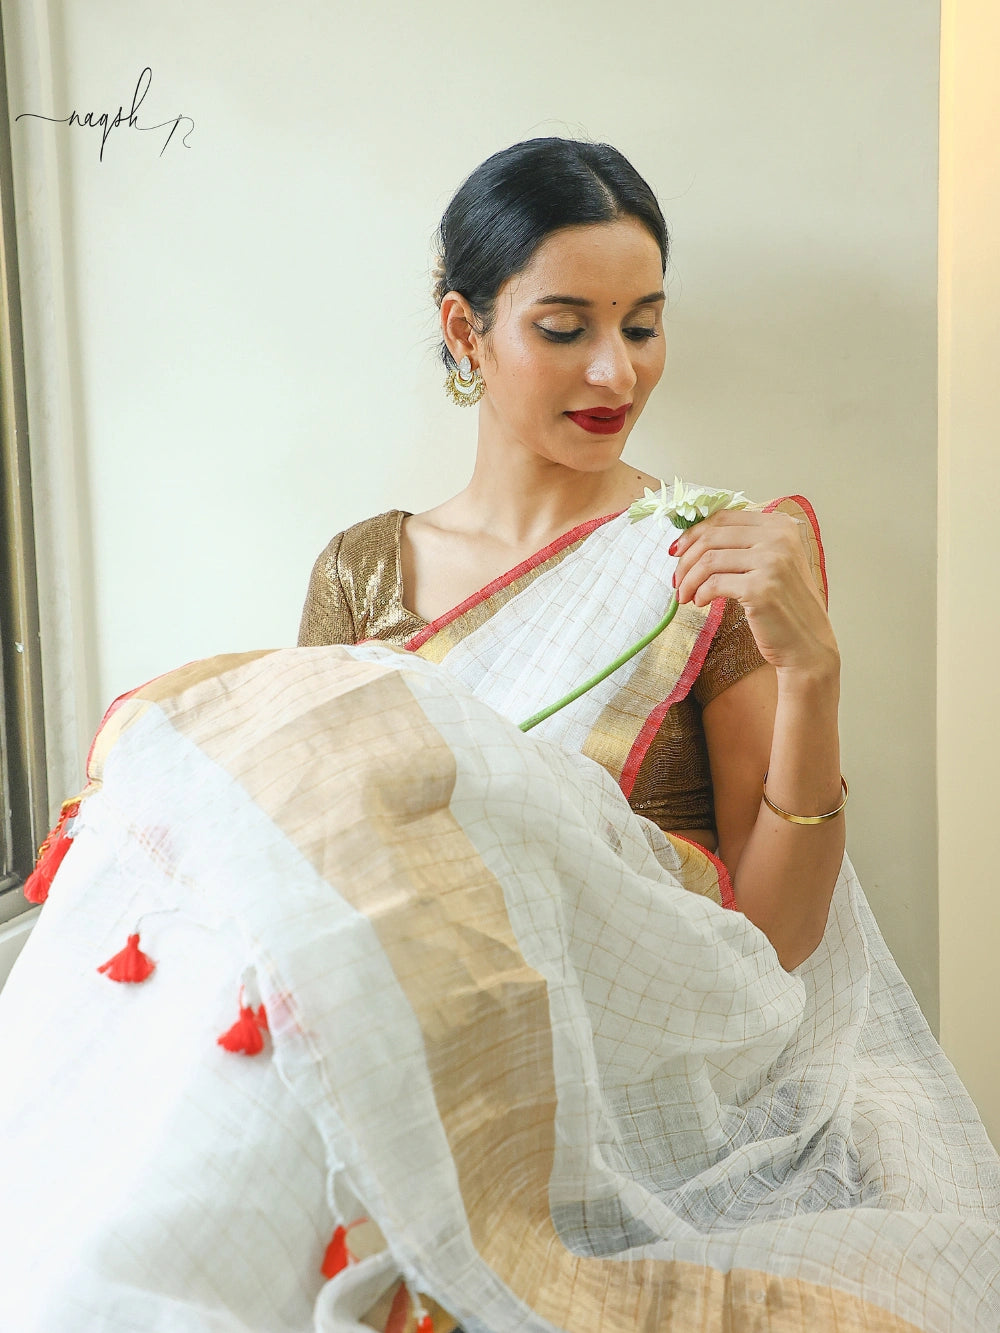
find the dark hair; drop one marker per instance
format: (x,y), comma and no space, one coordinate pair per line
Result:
(500,214)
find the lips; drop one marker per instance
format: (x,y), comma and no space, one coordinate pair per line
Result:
(601,420)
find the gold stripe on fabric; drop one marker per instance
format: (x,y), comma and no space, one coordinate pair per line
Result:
(697,870)
(206,668)
(373,817)
(162,687)
(654,679)
(437,648)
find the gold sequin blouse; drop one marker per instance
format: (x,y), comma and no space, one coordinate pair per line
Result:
(356,592)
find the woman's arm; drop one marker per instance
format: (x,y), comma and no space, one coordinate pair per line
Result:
(780,719)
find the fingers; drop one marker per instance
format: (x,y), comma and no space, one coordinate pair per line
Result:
(761,561)
(747,555)
(739,572)
(737,527)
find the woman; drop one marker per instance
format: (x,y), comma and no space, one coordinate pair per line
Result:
(482,1004)
(551,295)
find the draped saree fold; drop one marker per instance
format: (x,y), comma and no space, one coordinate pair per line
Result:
(570,1093)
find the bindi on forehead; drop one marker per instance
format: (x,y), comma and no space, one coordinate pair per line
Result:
(651,298)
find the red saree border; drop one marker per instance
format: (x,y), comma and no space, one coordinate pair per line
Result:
(810,514)
(113,708)
(726,894)
(511,576)
(695,662)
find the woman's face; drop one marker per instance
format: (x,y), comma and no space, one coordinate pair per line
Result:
(579,331)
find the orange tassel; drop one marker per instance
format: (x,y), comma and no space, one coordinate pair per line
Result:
(244,1035)
(50,855)
(130,964)
(426,1325)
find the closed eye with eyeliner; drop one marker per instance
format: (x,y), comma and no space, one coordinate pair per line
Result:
(637,334)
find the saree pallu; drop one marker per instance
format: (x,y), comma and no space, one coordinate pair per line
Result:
(569,1093)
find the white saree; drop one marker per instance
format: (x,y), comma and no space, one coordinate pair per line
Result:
(569,1093)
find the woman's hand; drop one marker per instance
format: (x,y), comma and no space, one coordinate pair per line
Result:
(761,561)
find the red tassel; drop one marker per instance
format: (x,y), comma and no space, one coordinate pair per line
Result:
(399,1314)
(130,964)
(244,1035)
(261,1019)
(399,1311)
(337,1255)
(50,855)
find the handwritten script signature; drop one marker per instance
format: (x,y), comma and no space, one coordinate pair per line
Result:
(106,122)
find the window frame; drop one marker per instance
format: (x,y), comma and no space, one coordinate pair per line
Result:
(24,814)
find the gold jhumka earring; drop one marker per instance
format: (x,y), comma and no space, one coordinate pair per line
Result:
(464,385)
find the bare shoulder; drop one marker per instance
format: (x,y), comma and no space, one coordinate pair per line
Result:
(635,482)
(434,530)
(441,560)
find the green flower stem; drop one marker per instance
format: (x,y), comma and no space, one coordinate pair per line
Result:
(644,642)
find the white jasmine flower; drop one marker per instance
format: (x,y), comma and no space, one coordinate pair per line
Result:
(686,505)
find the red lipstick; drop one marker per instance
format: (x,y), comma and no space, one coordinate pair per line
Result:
(601,420)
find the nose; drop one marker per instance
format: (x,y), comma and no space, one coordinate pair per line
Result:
(611,366)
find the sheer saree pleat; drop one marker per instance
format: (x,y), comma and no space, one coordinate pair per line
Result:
(571,1094)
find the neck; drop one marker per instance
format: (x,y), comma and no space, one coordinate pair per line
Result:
(522,499)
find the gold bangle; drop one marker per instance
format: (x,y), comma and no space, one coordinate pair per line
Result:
(805,819)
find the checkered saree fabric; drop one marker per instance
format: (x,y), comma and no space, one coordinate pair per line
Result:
(571,1094)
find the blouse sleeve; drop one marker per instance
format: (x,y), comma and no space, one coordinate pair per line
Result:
(326,616)
(732,655)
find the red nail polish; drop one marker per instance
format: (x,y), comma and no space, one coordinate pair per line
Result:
(673,578)
(673,549)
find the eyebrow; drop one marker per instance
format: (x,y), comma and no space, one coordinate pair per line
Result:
(651,299)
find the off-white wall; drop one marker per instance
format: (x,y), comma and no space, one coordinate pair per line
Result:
(969,637)
(250,358)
